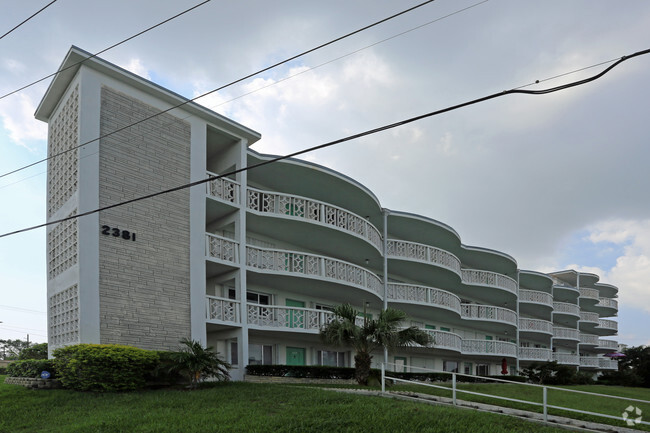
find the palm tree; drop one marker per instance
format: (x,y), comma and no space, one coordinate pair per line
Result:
(384,332)
(197,363)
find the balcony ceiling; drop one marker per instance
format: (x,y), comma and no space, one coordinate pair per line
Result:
(533,280)
(416,228)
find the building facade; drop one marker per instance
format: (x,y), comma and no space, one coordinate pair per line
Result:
(252,263)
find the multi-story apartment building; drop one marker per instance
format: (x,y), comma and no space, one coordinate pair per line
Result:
(252,263)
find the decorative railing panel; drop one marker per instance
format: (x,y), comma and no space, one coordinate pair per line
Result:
(424,295)
(536,297)
(565,308)
(586,316)
(589,293)
(589,361)
(608,324)
(274,316)
(312,265)
(534,354)
(492,279)
(423,253)
(566,358)
(607,364)
(566,333)
(445,340)
(222,309)
(218,247)
(488,312)
(607,302)
(588,339)
(489,347)
(608,344)
(535,325)
(313,210)
(224,189)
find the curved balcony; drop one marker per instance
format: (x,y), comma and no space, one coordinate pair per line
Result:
(606,327)
(608,345)
(296,263)
(566,358)
(293,319)
(223,189)
(606,307)
(534,354)
(474,277)
(588,340)
(220,248)
(590,294)
(589,362)
(398,292)
(444,340)
(565,334)
(421,253)
(313,211)
(566,309)
(535,297)
(222,310)
(536,326)
(488,313)
(607,364)
(489,347)
(588,317)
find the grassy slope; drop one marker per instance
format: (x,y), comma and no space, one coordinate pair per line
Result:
(237,407)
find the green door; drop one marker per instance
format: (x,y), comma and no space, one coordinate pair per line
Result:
(295,356)
(296,318)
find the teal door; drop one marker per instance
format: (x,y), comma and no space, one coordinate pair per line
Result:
(295,356)
(296,318)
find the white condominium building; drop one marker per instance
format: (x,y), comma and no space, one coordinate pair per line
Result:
(253,263)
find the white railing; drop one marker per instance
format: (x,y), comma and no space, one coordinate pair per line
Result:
(535,325)
(488,312)
(315,211)
(222,309)
(589,361)
(534,354)
(565,333)
(607,364)
(223,188)
(423,253)
(607,302)
(589,339)
(424,295)
(486,278)
(312,265)
(444,340)
(489,347)
(608,344)
(608,324)
(218,247)
(566,358)
(588,317)
(275,316)
(536,297)
(589,293)
(563,307)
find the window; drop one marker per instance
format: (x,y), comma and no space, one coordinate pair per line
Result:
(323,307)
(258,298)
(451,366)
(482,370)
(427,326)
(467,367)
(331,358)
(234,355)
(442,328)
(259,354)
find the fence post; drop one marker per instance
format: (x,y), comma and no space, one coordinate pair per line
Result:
(383,377)
(544,400)
(453,388)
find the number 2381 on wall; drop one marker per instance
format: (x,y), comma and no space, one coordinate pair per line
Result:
(118,233)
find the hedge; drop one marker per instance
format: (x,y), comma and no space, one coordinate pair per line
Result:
(31,368)
(104,367)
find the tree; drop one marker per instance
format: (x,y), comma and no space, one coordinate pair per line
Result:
(197,363)
(636,364)
(10,349)
(383,332)
(37,351)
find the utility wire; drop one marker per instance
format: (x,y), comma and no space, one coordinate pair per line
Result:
(294,57)
(342,140)
(32,16)
(106,49)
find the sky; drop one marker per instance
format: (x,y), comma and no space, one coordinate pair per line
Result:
(558,181)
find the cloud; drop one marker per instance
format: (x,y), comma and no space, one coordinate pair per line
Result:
(17,115)
(135,65)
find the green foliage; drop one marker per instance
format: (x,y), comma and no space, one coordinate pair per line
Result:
(197,363)
(552,373)
(10,349)
(307,371)
(37,351)
(103,367)
(383,332)
(31,368)
(637,363)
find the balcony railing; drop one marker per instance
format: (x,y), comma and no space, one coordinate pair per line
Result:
(273,316)
(222,309)
(445,340)
(423,295)
(607,364)
(423,253)
(588,317)
(564,308)
(589,293)
(223,189)
(488,312)
(534,354)
(608,344)
(608,303)
(608,324)
(566,358)
(313,266)
(535,325)
(589,361)
(492,279)
(588,339)
(535,297)
(314,211)
(565,333)
(221,248)
(489,347)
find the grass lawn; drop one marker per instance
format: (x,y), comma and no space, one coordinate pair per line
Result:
(237,407)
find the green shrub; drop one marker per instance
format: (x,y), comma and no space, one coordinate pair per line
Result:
(31,368)
(37,351)
(104,367)
(308,371)
(3,370)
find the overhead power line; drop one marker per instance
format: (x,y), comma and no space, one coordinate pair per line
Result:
(29,18)
(294,57)
(106,49)
(342,140)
